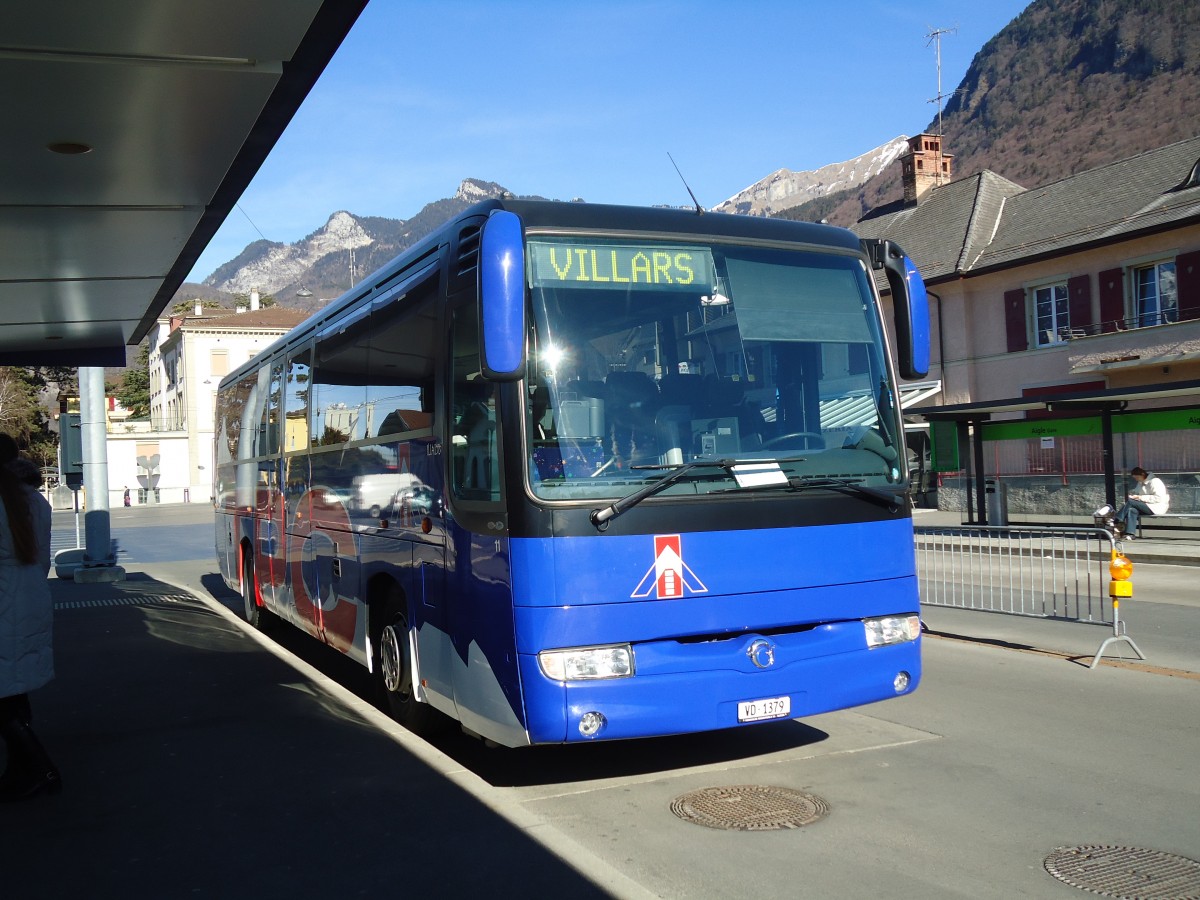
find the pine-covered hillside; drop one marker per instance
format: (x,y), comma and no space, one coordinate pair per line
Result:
(1067,86)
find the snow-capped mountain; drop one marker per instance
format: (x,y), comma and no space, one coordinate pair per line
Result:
(784,188)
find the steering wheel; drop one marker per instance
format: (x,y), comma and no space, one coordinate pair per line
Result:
(810,439)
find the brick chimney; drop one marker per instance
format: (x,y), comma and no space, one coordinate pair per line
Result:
(925,166)
(253,299)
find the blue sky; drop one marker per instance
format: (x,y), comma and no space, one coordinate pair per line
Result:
(568,99)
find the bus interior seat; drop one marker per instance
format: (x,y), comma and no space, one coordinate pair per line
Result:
(631,404)
(475,461)
(541,413)
(481,472)
(681,390)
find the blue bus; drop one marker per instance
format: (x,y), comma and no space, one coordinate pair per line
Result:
(568,472)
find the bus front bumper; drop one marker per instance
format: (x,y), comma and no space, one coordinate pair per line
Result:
(681,687)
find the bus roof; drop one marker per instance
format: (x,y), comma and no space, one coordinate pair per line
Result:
(571,215)
(544,213)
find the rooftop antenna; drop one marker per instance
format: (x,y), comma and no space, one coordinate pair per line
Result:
(699,208)
(935,38)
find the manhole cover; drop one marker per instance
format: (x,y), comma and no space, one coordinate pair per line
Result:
(1127,872)
(749,807)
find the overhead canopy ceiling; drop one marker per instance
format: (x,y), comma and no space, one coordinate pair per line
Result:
(179,102)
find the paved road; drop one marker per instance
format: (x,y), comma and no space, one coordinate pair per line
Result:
(960,790)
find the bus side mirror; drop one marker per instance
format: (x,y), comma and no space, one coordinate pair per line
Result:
(910,306)
(502,297)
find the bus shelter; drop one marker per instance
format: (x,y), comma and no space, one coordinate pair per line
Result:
(958,432)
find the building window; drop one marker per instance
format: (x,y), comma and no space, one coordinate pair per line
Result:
(218,363)
(1051,313)
(1155,295)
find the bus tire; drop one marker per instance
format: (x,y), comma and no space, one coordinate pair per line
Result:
(393,669)
(256,616)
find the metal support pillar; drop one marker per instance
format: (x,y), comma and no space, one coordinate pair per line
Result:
(980,474)
(1110,478)
(98,562)
(963,429)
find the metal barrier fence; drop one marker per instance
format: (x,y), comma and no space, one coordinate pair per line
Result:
(1060,573)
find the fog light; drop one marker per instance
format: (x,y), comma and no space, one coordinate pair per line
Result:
(901,682)
(590,723)
(892,630)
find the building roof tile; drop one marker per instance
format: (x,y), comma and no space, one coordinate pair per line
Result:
(986,221)
(273,318)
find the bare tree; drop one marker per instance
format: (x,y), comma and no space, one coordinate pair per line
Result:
(20,415)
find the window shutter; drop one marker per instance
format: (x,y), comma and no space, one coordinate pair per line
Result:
(1112,300)
(1187,271)
(1014,320)
(1079,293)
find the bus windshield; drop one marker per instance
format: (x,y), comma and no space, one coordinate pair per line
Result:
(652,354)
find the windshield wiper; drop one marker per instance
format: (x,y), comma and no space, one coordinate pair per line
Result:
(846,486)
(601,517)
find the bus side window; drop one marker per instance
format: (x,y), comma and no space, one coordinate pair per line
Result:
(475,464)
(296,402)
(274,405)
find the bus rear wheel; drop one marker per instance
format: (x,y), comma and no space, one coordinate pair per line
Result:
(394,670)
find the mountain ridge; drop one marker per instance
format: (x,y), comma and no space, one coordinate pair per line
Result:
(330,260)
(784,189)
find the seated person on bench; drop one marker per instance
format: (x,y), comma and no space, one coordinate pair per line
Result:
(1149,498)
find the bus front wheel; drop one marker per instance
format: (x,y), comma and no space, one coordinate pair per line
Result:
(394,670)
(256,616)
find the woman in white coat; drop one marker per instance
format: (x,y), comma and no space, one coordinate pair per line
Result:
(1149,498)
(26,621)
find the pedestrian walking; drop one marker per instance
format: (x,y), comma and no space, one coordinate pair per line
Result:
(26,624)
(127,503)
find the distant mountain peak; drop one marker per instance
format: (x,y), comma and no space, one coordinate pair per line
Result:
(784,188)
(472,190)
(268,267)
(322,265)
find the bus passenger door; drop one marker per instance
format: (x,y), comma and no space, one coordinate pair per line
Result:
(269,564)
(433,630)
(295,603)
(273,536)
(478,592)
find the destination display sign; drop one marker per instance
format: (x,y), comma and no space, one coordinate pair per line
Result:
(600,264)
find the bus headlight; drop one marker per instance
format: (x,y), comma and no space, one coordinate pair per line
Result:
(892,630)
(585,663)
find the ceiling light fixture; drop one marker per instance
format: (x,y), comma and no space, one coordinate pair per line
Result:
(68,148)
